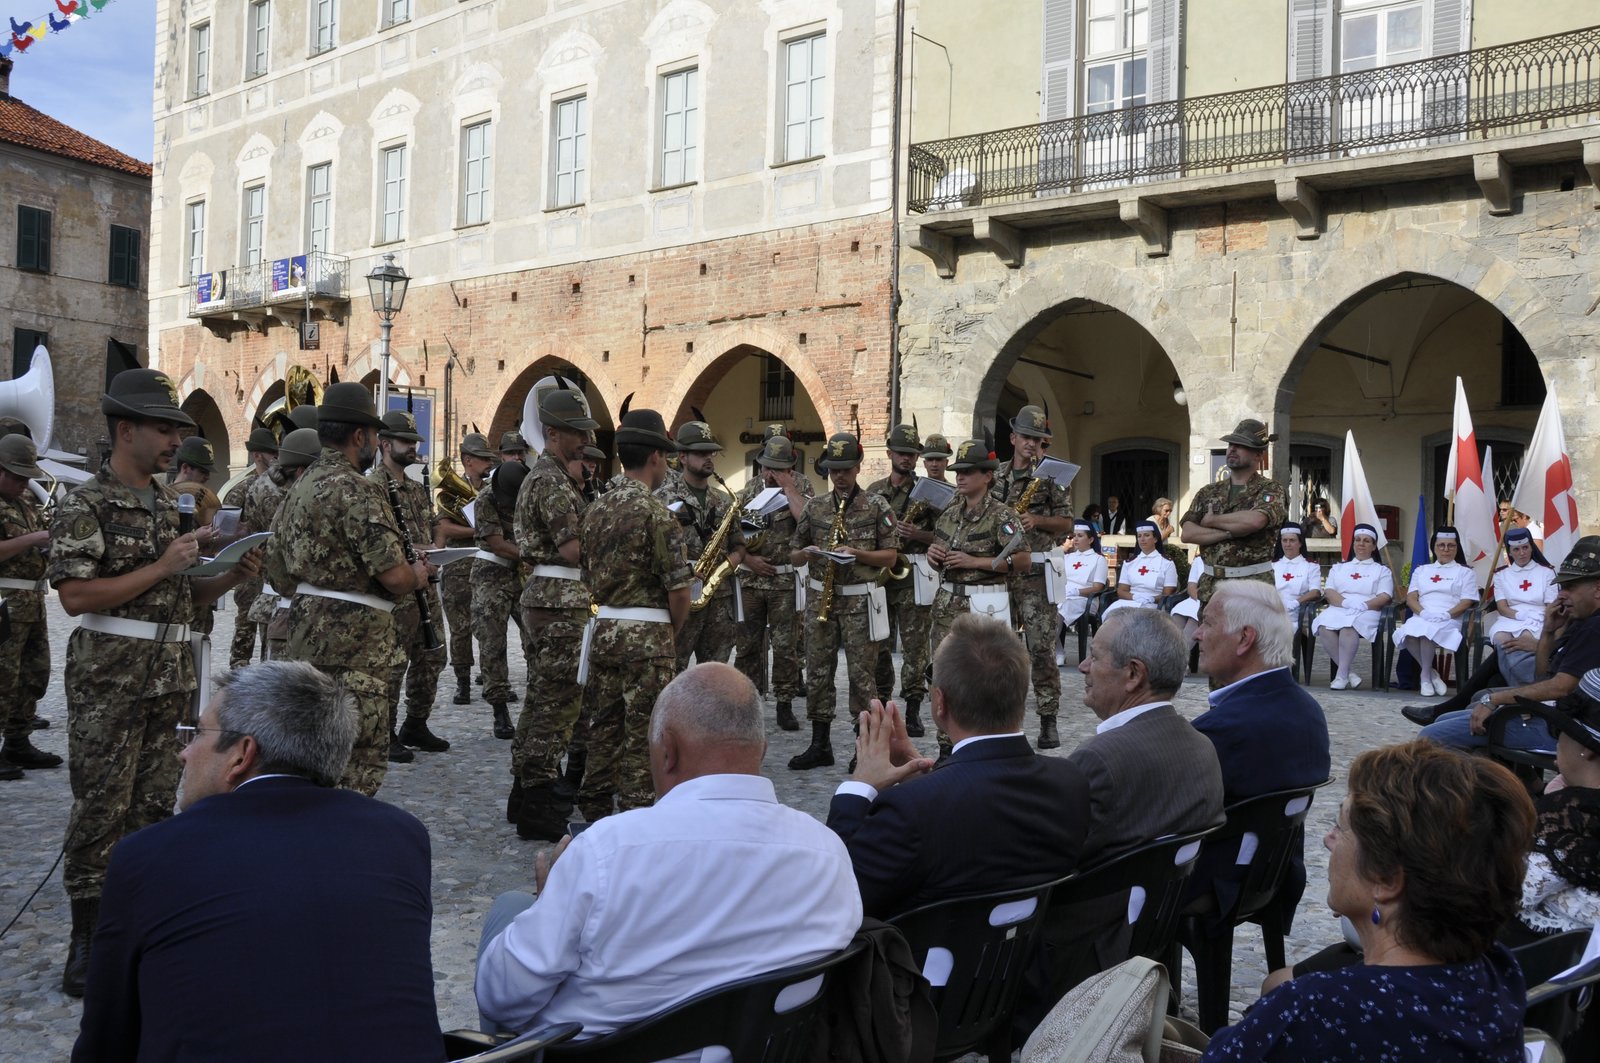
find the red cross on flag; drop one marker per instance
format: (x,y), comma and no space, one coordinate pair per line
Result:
(1465,485)
(1358,506)
(1544,491)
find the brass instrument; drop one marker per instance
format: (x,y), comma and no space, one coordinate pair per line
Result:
(835,538)
(454,492)
(1026,498)
(713,561)
(721,573)
(300,388)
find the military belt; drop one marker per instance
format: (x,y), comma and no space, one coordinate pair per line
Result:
(974,590)
(371,601)
(1241,571)
(848,590)
(133,629)
(777,570)
(636,612)
(9,584)
(555,571)
(503,562)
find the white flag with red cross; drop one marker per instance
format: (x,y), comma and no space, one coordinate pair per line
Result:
(1544,490)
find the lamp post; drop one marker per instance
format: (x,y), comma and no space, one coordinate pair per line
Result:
(387,284)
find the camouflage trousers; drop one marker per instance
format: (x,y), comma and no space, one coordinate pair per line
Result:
(494,601)
(24,675)
(769,620)
(243,647)
(554,701)
(911,622)
(620,697)
(369,759)
(419,668)
(455,590)
(1208,583)
(709,634)
(1039,631)
(847,625)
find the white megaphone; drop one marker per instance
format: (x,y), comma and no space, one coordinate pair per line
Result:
(31,398)
(532,427)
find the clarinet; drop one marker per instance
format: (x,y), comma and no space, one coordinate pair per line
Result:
(427,490)
(430,637)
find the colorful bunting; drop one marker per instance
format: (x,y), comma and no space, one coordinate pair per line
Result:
(25,32)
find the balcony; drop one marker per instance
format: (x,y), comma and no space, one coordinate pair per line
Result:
(283,291)
(1516,92)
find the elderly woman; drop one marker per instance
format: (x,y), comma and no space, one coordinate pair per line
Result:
(1426,860)
(1146,578)
(1356,589)
(1161,513)
(1521,591)
(1439,593)
(1297,577)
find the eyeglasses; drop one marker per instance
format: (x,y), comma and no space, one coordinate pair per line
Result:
(188,733)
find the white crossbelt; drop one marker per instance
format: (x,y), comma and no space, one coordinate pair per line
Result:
(8,584)
(557,571)
(503,562)
(1241,571)
(371,601)
(617,612)
(133,629)
(848,590)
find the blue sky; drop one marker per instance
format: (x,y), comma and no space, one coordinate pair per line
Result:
(95,76)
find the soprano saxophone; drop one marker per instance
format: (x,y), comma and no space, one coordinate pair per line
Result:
(835,538)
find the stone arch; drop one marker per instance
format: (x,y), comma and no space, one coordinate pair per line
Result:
(271,373)
(209,423)
(600,393)
(369,362)
(705,370)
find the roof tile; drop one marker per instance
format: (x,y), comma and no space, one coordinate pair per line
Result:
(28,127)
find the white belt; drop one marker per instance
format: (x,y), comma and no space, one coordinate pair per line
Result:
(638,612)
(503,562)
(975,590)
(134,629)
(371,601)
(848,590)
(1241,571)
(8,584)
(777,570)
(558,572)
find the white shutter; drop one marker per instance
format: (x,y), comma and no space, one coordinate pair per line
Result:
(1310,39)
(1446,102)
(1058,96)
(1452,26)
(1166,34)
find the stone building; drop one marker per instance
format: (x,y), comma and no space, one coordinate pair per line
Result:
(1160,216)
(685,202)
(73,218)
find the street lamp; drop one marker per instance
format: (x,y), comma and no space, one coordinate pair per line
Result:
(387,284)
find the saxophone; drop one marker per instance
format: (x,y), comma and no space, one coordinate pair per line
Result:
(721,572)
(712,567)
(1026,498)
(835,538)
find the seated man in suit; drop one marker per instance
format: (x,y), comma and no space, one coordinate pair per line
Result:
(995,816)
(276,917)
(1268,731)
(714,883)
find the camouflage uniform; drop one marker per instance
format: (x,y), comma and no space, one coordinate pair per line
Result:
(769,611)
(632,558)
(419,668)
(984,532)
(1255,549)
(206,505)
(710,633)
(335,531)
(125,696)
(455,591)
(906,618)
(495,588)
(24,635)
(1037,614)
(243,647)
(260,507)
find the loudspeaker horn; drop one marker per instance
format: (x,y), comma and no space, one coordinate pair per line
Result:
(532,428)
(31,398)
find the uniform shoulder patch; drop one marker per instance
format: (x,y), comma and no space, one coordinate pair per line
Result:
(1267,497)
(888,520)
(83,527)
(1008,528)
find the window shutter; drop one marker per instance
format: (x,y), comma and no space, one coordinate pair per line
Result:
(1166,34)
(1452,26)
(1310,39)
(1059,94)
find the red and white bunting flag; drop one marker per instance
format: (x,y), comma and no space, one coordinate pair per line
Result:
(1358,506)
(1544,490)
(1465,485)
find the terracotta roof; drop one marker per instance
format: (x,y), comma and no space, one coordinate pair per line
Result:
(30,128)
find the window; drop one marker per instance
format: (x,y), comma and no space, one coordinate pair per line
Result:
(680,115)
(23,341)
(396,11)
(258,38)
(804,102)
(1116,63)
(476,149)
(319,207)
(1380,37)
(570,151)
(254,226)
(196,246)
(777,389)
(394,195)
(124,268)
(324,25)
(200,59)
(33,239)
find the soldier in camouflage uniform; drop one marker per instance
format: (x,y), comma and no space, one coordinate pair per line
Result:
(419,667)
(767,582)
(195,461)
(936,457)
(496,586)
(1046,521)
(115,555)
(513,447)
(336,550)
(701,507)
(1235,522)
(634,564)
(866,531)
(555,608)
(263,449)
(913,522)
(24,637)
(759,673)
(269,611)
(455,584)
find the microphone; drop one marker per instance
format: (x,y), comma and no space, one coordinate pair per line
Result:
(185,514)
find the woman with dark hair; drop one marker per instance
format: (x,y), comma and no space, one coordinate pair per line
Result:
(1095,516)
(1439,593)
(1426,860)
(1321,522)
(1357,588)
(1148,576)
(1085,571)
(1297,577)
(1522,589)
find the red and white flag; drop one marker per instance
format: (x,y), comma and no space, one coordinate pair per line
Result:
(1544,490)
(1358,507)
(1464,484)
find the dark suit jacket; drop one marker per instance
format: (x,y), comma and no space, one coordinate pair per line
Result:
(1270,734)
(280,921)
(1116,523)
(995,816)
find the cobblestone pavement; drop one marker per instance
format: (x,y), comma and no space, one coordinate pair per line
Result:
(460,796)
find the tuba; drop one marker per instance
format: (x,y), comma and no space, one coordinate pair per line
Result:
(300,388)
(454,492)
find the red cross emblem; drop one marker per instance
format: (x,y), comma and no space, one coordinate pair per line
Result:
(1143,571)
(1355,575)
(1287,576)
(1436,579)
(1079,564)
(1524,585)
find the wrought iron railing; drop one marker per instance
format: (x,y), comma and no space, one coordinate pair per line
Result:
(315,274)
(1498,91)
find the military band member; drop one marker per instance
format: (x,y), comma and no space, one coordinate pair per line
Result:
(634,563)
(913,522)
(555,608)
(969,537)
(195,461)
(850,520)
(700,507)
(419,668)
(336,550)
(24,638)
(513,447)
(1046,521)
(263,449)
(455,581)
(807,490)
(767,583)
(115,555)
(270,610)
(936,457)
(496,585)
(1235,522)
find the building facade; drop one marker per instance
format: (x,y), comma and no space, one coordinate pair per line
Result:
(684,202)
(73,219)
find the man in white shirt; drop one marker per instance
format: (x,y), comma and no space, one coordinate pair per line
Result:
(715,883)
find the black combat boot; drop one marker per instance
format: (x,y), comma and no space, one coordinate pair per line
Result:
(85,916)
(544,813)
(415,733)
(914,728)
(817,755)
(502,722)
(24,754)
(572,779)
(38,723)
(786,720)
(514,801)
(9,772)
(398,753)
(1048,738)
(463,688)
